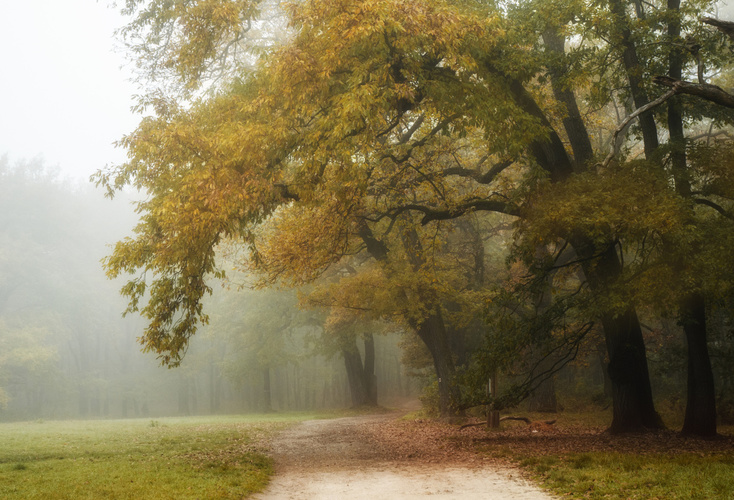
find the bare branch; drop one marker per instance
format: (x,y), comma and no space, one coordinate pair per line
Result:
(432,214)
(635,114)
(715,206)
(481,178)
(726,27)
(712,93)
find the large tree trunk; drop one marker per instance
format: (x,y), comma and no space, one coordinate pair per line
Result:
(361,377)
(601,351)
(433,334)
(700,416)
(634,69)
(634,409)
(700,419)
(432,330)
(369,368)
(633,405)
(573,122)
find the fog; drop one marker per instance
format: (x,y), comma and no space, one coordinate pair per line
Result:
(67,352)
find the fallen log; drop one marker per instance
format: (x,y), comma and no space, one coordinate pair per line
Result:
(521,419)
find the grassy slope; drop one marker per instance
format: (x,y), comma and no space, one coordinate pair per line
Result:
(198,457)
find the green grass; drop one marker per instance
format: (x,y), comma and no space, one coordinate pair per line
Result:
(627,476)
(171,458)
(615,475)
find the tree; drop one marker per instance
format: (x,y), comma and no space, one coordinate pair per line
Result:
(382,121)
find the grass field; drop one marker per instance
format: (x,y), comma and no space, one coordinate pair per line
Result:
(603,475)
(223,458)
(171,458)
(666,466)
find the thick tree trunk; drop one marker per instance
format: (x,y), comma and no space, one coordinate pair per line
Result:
(361,382)
(433,334)
(634,409)
(353,365)
(634,69)
(700,419)
(369,368)
(601,351)
(432,331)
(573,122)
(543,398)
(700,416)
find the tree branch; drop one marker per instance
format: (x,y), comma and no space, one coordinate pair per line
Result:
(481,178)
(726,27)
(712,93)
(647,107)
(432,214)
(715,206)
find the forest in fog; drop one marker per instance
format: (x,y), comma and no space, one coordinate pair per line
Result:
(67,352)
(485,205)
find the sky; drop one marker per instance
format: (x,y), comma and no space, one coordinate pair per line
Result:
(65,94)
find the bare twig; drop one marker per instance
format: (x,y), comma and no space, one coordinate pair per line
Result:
(635,114)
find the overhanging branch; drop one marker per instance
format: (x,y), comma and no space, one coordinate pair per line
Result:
(432,214)
(715,206)
(706,91)
(643,109)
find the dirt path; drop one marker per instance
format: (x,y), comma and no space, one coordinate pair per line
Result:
(352,458)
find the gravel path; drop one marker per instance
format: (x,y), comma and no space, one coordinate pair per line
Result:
(338,459)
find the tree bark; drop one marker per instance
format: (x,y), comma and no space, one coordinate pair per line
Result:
(633,406)
(634,69)
(361,382)
(706,91)
(700,417)
(432,330)
(433,334)
(369,368)
(573,122)
(634,409)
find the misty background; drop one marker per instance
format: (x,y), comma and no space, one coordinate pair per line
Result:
(65,349)
(67,352)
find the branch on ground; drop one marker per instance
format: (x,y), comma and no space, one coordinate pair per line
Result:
(538,423)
